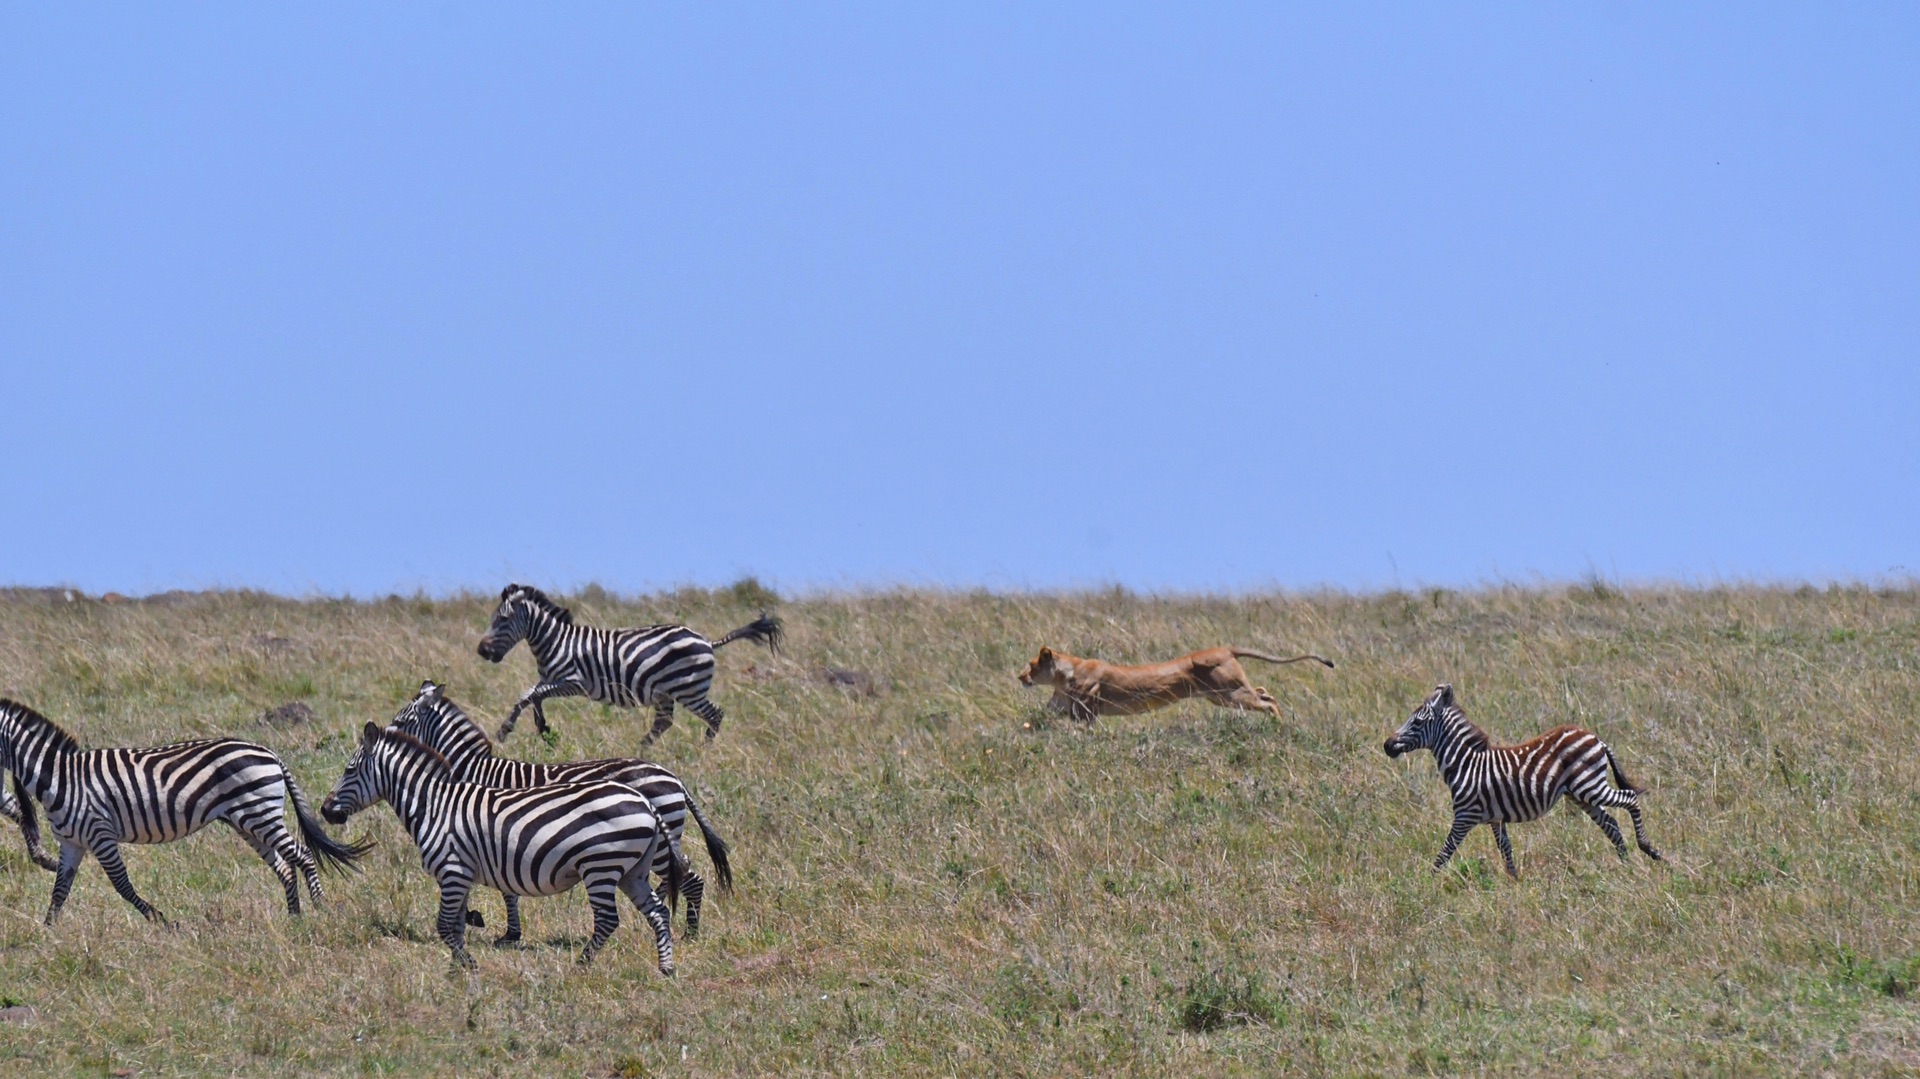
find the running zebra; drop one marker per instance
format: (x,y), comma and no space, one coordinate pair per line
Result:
(530,841)
(434,719)
(655,665)
(1502,785)
(97,799)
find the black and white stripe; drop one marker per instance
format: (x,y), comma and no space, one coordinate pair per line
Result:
(1502,785)
(10,808)
(97,799)
(436,720)
(657,665)
(525,841)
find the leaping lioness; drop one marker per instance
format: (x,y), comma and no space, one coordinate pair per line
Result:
(1085,688)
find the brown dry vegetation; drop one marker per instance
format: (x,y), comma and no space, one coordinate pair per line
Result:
(934,876)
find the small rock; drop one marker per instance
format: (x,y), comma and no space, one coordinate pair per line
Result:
(20,1014)
(290,714)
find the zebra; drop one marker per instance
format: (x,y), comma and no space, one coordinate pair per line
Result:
(1501,785)
(436,720)
(656,665)
(97,799)
(527,841)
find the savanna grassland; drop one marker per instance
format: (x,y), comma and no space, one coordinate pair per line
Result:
(934,876)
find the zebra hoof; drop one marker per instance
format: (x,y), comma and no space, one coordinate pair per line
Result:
(463,961)
(475,919)
(666,969)
(506,940)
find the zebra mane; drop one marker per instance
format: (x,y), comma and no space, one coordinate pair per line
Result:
(1466,731)
(409,743)
(31,719)
(448,713)
(539,599)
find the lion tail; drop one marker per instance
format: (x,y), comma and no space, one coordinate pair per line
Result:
(1248,653)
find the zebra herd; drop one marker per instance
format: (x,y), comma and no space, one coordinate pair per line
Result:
(527,829)
(521,828)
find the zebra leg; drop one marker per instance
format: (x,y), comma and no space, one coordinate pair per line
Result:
(1455,836)
(452,923)
(512,935)
(709,711)
(270,849)
(693,888)
(602,893)
(1608,825)
(69,864)
(532,698)
(1640,830)
(108,854)
(513,716)
(1506,848)
(662,719)
(643,896)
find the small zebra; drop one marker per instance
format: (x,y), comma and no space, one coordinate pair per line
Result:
(1502,785)
(528,841)
(97,799)
(434,719)
(655,665)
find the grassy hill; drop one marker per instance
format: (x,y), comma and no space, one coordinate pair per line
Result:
(935,876)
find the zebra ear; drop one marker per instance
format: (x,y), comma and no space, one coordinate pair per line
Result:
(431,688)
(370,733)
(1443,695)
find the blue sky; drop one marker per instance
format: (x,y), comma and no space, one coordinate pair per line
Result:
(394,297)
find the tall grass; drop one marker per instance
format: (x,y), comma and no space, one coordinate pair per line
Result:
(936,876)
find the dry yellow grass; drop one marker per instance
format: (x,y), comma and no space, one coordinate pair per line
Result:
(939,878)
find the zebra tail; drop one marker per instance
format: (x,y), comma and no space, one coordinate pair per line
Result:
(329,851)
(676,869)
(1620,777)
(762,630)
(716,846)
(30,828)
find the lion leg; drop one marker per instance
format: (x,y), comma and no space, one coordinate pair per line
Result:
(1248,697)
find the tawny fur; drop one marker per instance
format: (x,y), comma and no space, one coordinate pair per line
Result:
(1085,688)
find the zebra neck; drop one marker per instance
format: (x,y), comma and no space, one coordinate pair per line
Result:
(40,758)
(415,800)
(1462,746)
(547,638)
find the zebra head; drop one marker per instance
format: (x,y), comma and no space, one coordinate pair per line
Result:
(439,723)
(359,786)
(514,620)
(1423,728)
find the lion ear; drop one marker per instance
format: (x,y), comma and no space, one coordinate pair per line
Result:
(1045,654)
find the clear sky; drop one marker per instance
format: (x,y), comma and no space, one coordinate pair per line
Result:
(348,299)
